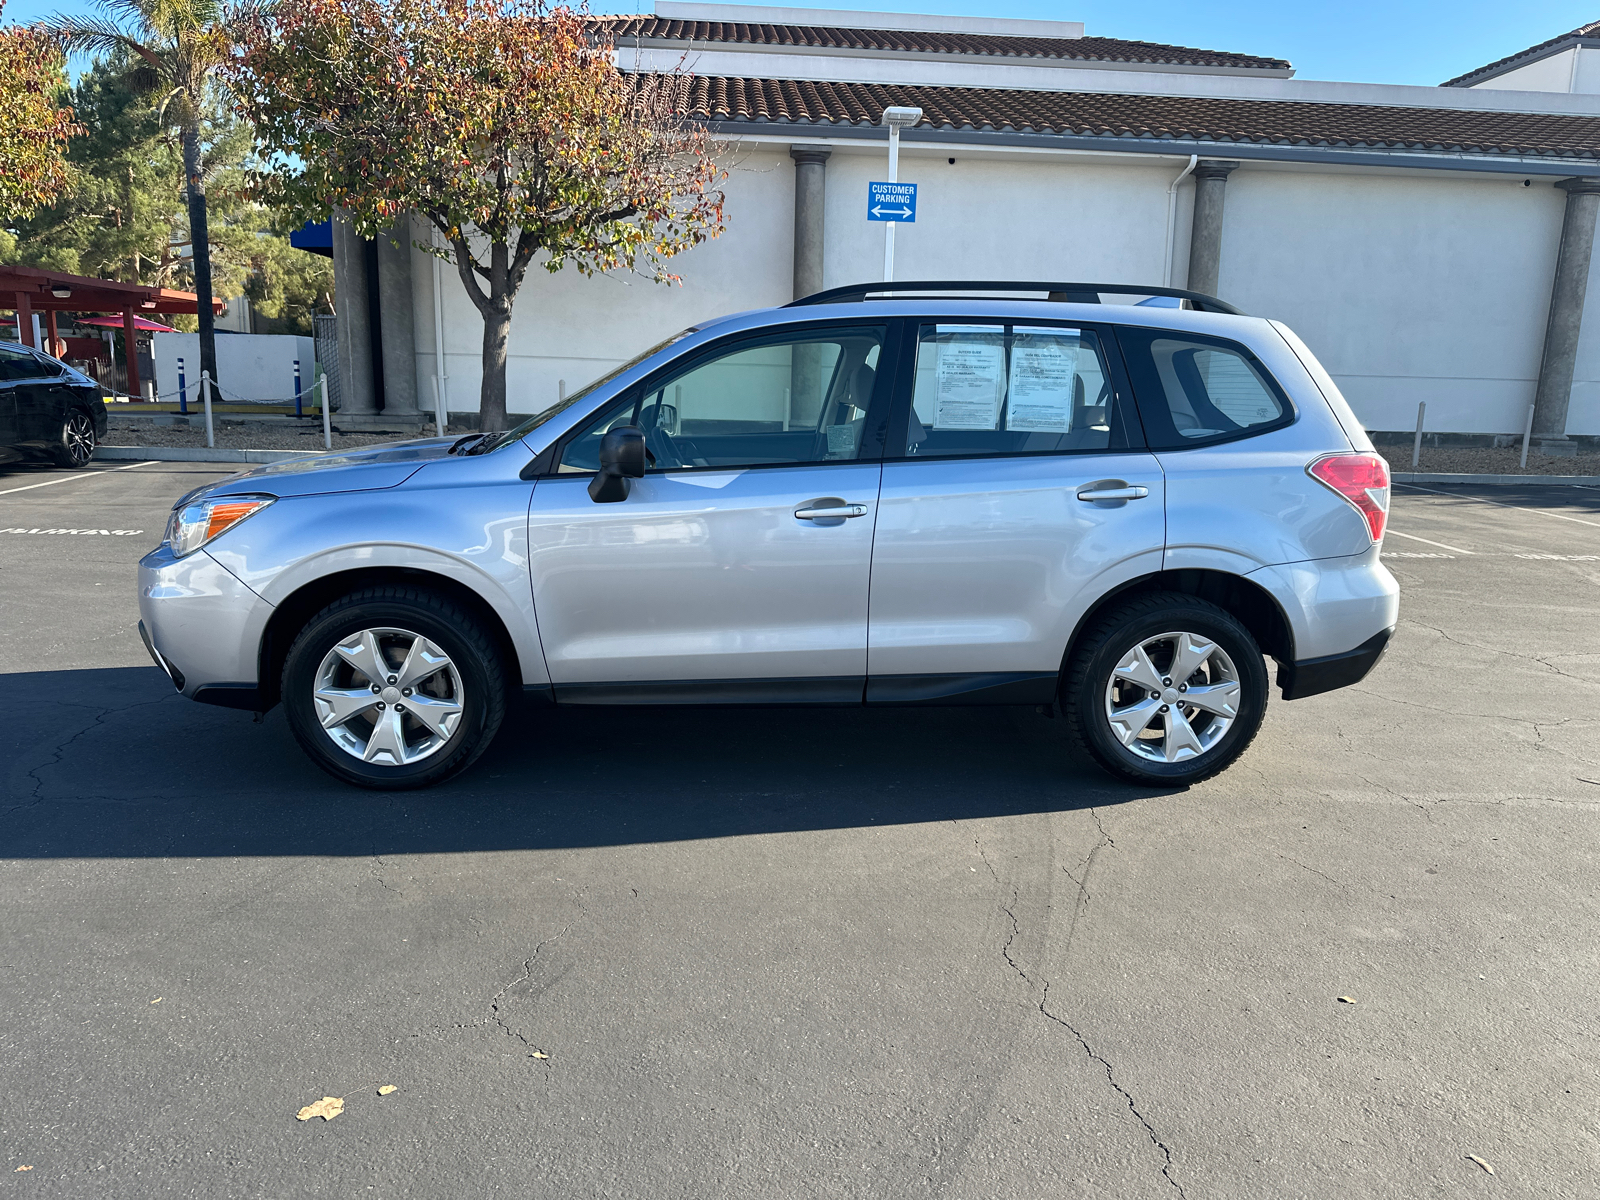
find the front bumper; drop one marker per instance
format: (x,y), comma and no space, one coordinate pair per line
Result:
(202,626)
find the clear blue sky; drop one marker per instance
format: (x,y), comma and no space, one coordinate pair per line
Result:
(1373,41)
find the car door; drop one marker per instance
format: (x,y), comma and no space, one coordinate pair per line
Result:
(1015,494)
(15,365)
(38,405)
(737,568)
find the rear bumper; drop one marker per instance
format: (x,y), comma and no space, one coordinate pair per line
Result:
(1313,676)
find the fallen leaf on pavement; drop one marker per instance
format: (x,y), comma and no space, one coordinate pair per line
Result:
(539,1054)
(387,1088)
(1481,1163)
(158,1000)
(24,1168)
(327,1108)
(1347,999)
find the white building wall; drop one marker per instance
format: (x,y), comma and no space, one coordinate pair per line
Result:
(1407,287)
(1553,74)
(250,366)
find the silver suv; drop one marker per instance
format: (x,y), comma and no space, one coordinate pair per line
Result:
(929,497)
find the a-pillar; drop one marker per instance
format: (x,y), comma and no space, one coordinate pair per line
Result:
(810,193)
(357,392)
(1205,237)
(130,342)
(397,329)
(1565,322)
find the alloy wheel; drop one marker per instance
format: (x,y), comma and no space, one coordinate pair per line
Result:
(1172,697)
(388,696)
(77,437)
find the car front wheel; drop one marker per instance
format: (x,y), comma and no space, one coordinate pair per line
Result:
(393,687)
(1166,689)
(74,444)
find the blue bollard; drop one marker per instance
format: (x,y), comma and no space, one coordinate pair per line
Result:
(183,391)
(297,411)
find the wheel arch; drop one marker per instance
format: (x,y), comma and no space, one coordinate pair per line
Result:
(1254,606)
(292,613)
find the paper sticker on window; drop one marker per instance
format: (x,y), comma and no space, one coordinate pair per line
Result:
(1044,369)
(971,374)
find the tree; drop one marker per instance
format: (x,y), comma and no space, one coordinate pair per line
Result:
(178,44)
(504,123)
(125,215)
(33,129)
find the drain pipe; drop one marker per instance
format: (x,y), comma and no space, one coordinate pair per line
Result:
(1172,213)
(441,380)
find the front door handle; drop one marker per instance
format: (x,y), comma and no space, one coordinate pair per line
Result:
(1125,492)
(832,512)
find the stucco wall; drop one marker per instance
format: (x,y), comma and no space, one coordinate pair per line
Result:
(1409,285)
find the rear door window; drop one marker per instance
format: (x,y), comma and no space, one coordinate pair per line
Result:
(1194,389)
(987,389)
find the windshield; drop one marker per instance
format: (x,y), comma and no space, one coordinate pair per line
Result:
(529,424)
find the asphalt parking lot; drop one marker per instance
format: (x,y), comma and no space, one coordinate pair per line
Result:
(679,953)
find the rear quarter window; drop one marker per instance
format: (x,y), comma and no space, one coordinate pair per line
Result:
(1193,390)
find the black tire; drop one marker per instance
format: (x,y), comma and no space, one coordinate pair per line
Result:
(74,442)
(473,656)
(1114,636)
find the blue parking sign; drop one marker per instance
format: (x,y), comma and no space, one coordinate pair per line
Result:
(892,202)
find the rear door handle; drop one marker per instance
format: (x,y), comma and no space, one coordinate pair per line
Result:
(831,513)
(1118,493)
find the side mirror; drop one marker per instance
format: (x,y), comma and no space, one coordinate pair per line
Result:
(621,462)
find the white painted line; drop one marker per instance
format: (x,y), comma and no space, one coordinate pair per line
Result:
(1538,512)
(1426,542)
(72,478)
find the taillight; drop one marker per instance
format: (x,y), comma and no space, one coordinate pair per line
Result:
(1362,479)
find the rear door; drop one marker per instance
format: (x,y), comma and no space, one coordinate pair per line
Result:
(1016,493)
(16,364)
(737,568)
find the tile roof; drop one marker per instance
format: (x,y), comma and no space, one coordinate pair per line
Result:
(1489,70)
(1089,49)
(1187,118)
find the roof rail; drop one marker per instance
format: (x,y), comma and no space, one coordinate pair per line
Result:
(1070,293)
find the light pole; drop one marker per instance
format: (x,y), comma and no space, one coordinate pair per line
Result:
(896,119)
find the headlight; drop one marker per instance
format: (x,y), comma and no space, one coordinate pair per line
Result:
(193,525)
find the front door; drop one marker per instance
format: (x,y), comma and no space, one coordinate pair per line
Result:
(1014,495)
(737,569)
(16,365)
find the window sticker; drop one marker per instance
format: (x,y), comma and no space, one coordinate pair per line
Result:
(1044,368)
(971,378)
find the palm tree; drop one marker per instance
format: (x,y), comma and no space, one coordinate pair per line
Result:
(176,46)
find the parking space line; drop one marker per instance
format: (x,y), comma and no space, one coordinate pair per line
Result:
(1500,504)
(70,478)
(1427,542)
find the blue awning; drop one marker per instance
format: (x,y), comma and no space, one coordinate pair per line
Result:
(314,236)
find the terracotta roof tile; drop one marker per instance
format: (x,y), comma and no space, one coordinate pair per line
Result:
(1263,122)
(1089,49)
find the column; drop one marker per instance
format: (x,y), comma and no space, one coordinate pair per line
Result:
(130,342)
(810,179)
(51,337)
(1566,316)
(1205,238)
(25,319)
(357,395)
(397,325)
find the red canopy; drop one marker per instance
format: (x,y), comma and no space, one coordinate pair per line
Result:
(140,323)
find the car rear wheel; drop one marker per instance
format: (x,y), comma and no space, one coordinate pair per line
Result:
(394,688)
(1165,689)
(74,444)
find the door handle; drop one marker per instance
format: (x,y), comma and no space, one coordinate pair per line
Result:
(1114,493)
(831,513)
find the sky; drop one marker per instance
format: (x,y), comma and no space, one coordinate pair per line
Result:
(1368,41)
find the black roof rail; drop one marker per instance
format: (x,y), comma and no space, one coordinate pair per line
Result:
(1071,293)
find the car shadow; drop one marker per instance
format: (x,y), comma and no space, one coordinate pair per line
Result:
(110,763)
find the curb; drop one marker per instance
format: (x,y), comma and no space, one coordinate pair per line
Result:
(1499,480)
(195,454)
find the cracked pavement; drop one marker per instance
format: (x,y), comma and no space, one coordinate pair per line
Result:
(866,954)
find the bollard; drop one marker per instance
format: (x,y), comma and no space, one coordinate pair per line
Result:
(205,399)
(327,427)
(297,411)
(1416,446)
(183,391)
(1527,433)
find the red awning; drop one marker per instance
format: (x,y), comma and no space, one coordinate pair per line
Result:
(139,323)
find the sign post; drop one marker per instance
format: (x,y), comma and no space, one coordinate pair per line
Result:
(893,201)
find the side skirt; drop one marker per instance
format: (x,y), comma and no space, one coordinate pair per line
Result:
(1030,687)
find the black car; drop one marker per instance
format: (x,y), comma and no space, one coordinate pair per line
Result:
(47,409)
